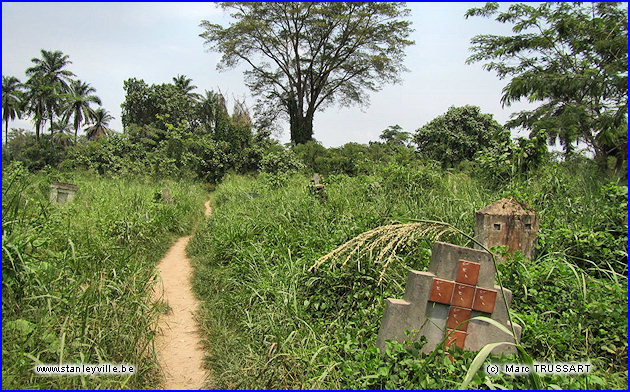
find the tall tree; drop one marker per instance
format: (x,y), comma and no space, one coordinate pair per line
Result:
(78,101)
(36,100)
(570,57)
(101,119)
(11,101)
(458,134)
(303,56)
(50,69)
(207,109)
(184,84)
(395,135)
(143,103)
(63,131)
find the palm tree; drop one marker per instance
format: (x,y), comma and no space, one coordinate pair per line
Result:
(37,98)
(78,104)
(183,83)
(11,101)
(101,119)
(63,131)
(50,68)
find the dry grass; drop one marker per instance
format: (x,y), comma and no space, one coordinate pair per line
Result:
(386,242)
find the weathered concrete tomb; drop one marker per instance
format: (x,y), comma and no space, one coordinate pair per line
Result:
(62,193)
(507,223)
(441,302)
(316,181)
(166,196)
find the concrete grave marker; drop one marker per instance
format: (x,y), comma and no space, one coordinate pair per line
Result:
(62,193)
(459,286)
(166,196)
(507,223)
(316,180)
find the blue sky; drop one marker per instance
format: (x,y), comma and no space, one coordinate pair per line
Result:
(111,42)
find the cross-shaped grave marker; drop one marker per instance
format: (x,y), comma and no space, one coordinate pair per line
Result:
(439,303)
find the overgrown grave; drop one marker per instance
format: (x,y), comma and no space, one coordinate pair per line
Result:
(61,192)
(166,196)
(316,187)
(454,299)
(444,302)
(507,222)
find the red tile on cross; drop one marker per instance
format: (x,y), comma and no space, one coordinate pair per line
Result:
(463,295)
(455,337)
(484,300)
(468,272)
(458,318)
(441,291)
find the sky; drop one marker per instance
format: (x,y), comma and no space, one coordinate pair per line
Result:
(109,43)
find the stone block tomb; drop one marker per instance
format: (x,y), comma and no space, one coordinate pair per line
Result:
(316,181)
(441,302)
(62,193)
(167,197)
(507,223)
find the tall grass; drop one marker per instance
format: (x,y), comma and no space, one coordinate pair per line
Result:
(272,323)
(77,277)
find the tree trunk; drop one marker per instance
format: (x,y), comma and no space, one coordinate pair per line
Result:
(6,131)
(50,114)
(301,126)
(301,129)
(38,125)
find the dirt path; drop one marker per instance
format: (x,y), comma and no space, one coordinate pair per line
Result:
(178,343)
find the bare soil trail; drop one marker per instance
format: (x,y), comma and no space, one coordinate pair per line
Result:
(178,342)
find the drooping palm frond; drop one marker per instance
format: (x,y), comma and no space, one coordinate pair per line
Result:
(78,104)
(184,84)
(101,119)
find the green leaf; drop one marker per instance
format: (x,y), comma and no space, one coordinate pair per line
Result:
(21,326)
(478,361)
(493,322)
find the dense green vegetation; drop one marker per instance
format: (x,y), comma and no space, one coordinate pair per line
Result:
(169,130)
(75,277)
(273,324)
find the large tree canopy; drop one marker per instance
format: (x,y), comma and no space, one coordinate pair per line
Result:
(458,134)
(571,57)
(303,56)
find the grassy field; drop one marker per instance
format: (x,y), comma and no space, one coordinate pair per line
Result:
(270,323)
(77,277)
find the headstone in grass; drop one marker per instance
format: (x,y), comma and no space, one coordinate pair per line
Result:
(316,188)
(507,222)
(439,304)
(166,196)
(62,193)
(316,181)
